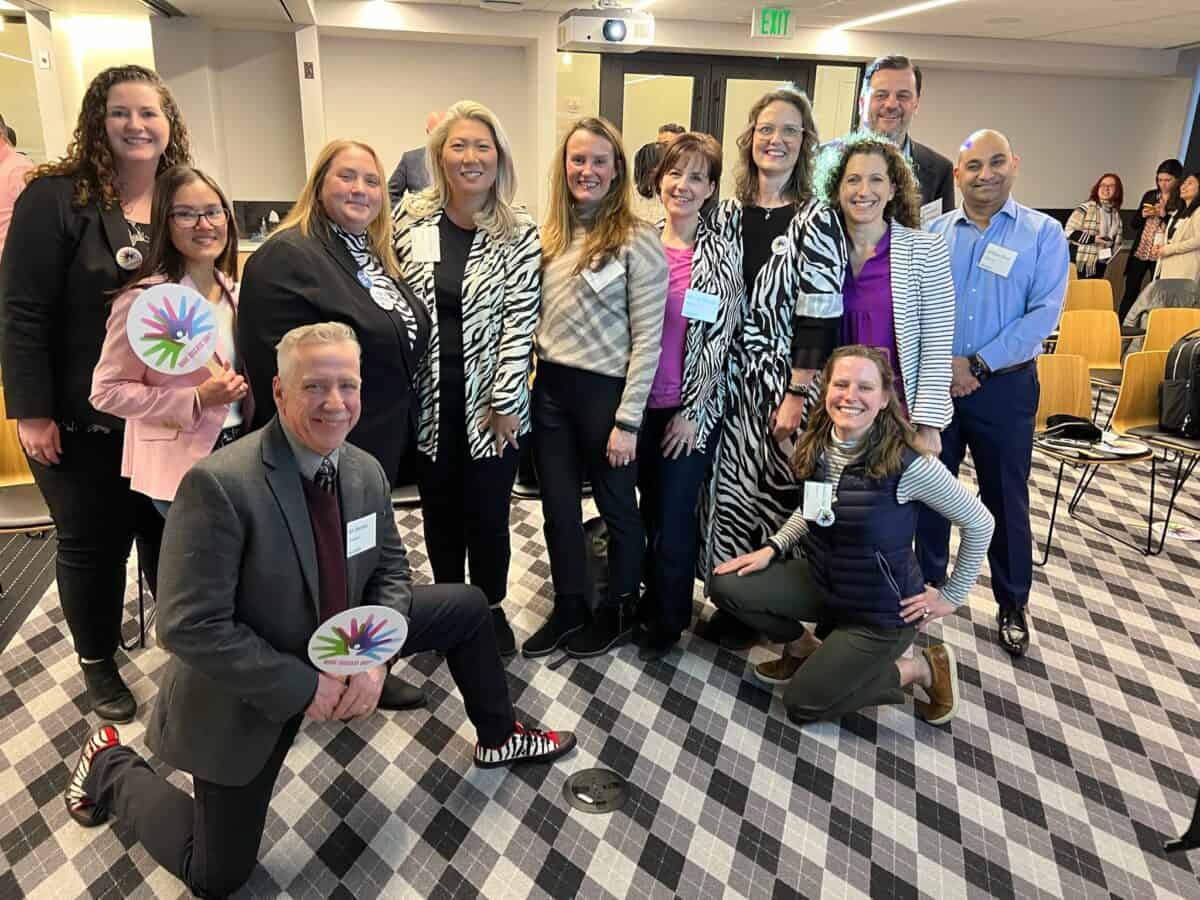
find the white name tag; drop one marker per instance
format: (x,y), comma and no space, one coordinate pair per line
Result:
(426,244)
(604,276)
(930,211)
(998,260)
(1105,254)
(701,306)
(360,535)
(818,500)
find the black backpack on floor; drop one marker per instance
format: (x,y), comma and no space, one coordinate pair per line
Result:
(1179,393)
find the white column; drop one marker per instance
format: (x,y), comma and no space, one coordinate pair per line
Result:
(49,89)
(312,93)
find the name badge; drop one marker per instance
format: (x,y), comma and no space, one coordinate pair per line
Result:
(360,535)
(701,306)
(1105,255)
(604,276)
(818,502)
(997,260)
(930,211)
(426,244)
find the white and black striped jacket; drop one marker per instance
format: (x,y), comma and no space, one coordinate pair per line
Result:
(502,294)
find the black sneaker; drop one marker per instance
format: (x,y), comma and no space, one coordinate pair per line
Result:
(525,745)
(728,631)
(81,807)
(610,627)
(107,691)
(506,641)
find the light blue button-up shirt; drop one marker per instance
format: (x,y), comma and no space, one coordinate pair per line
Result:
(1005,319)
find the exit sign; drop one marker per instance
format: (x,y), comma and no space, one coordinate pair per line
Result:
(770,22)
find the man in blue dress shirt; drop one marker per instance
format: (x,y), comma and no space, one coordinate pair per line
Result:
(1010,275)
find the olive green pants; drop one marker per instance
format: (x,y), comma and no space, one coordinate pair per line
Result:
(854,667)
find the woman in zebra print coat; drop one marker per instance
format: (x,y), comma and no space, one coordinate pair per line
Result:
(792,252)
(483,285)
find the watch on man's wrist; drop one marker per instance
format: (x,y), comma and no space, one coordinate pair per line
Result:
(978,367)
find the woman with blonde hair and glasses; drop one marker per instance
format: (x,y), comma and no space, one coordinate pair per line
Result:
(598,342)
(331,260)
(483,287)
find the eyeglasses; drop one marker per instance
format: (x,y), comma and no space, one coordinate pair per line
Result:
(788,132)
(190,218)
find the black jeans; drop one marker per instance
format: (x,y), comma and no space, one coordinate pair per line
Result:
(465,504)
(96,516)
(669,491)
(573,415)
(211,843)
(1135,274)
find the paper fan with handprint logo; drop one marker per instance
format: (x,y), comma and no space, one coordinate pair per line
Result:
(172,329)
(359,638)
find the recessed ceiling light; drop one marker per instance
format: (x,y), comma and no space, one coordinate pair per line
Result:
(1002,20)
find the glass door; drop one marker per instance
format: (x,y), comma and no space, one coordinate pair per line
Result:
(642,92)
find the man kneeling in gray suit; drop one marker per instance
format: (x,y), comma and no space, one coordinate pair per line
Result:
(252,560)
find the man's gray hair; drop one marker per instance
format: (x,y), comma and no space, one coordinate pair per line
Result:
(306,335)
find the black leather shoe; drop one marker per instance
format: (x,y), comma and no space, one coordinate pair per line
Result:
(107,691)
(610,627)
(506,641)
(1014,631)
(397,695)
(728,631)
(656,644)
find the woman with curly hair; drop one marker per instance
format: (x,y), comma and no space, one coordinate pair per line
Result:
(78,232)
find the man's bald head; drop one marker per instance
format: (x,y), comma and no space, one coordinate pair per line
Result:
(985,139)
(432,120)
(986,170)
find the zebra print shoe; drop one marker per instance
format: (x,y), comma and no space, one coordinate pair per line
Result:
(525,745)
(81,807)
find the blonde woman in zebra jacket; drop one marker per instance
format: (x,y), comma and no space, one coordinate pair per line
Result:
(475,262)
(681,428)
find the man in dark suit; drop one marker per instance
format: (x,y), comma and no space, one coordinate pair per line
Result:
(253,559)
(412,174)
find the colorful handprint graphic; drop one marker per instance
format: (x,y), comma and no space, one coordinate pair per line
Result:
(366,639)
(170,332)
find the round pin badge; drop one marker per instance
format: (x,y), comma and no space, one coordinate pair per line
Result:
(364,279)
(825,518)
(129,258)
(172,330)
(779,245)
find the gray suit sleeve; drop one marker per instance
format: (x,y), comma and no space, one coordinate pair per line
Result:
(198,590)
(391,582)
(398,183)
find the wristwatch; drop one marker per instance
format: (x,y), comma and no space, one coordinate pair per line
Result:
(978,367)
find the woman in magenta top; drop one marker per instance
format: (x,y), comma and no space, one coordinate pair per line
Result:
(687,399)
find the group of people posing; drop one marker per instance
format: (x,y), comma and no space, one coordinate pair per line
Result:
(774,393)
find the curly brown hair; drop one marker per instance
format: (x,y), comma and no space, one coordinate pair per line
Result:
(904,208)
(799,186)
(89,158)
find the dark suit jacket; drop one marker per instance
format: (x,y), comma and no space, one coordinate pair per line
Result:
(935,174)
(238,600)
(294,280)
(56,280)
(410,175)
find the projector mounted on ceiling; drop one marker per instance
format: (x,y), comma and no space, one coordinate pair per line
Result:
(605,29)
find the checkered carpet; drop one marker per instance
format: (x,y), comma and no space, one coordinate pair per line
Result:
(1061,775)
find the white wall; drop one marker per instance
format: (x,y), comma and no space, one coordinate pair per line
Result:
(379,91)
(18,91)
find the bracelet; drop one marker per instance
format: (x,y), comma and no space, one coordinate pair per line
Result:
(796,390)
(628,429)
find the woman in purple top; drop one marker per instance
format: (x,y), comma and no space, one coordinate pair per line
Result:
(687,399)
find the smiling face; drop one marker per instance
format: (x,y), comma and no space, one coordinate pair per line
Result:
(865,189)
(854,397)
(685,186)
(889,103)
(1106,189)
(470,158)
(1189,189)
(778,137)
(137,128)
(590,167)
(986,170)
(319,396)
(352,190)
(204,241)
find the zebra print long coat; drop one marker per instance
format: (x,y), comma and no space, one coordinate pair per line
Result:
(502,295)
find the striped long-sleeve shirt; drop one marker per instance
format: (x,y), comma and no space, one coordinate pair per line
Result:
(614,330)
(926,481)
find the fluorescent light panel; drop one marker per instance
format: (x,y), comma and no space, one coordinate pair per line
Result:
(894,14)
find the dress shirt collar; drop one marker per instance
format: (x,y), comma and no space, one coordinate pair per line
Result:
(307,460)
(1009,209)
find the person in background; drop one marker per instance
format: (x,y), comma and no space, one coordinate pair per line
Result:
(598,342)
(486,288)
(13,169)
(173,421)
(687,398)
(1010,275)
(78,231)
(1094,228)
(859,577)
(332,259)
(412,172)
(668,133)
(791,249)
(1149,222)
(1179,254)
(647,205)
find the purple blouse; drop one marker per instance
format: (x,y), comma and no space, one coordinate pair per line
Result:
(867,315)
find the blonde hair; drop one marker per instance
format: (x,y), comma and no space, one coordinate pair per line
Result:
(497,217)
(308,335)
(308,214)
(799,184)
(614,223)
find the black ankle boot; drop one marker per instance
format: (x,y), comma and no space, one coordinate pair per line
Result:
(564,621)
(107,691)
(610,627)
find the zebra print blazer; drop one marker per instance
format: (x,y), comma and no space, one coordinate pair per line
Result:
(502,295)
(706,347)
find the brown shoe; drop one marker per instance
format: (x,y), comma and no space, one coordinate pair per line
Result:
(943,692)
(781,670)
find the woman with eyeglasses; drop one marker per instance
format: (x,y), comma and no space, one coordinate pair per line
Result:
(792,252)
(174,421)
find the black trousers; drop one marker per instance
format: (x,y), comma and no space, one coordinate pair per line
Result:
(669,490)
(211,842)
(96,516)
(1135,275)
(465,504)
(573,415)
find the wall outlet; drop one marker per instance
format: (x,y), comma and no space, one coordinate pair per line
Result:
(309,72)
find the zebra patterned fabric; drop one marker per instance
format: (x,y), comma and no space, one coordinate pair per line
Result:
(501,297)
(383,289)
(752,491)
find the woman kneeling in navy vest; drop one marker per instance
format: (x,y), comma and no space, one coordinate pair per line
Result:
(858,577)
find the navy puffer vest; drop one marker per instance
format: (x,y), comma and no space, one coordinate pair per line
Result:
(864,561)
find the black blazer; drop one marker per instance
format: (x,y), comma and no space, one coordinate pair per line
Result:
(294,280)
(56,277)
(935,174)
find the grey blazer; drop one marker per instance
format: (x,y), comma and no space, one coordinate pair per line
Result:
(410,175)
(238,600)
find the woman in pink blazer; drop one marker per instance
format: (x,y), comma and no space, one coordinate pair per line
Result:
(172,421)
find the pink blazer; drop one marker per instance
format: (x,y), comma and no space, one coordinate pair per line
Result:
(166,431)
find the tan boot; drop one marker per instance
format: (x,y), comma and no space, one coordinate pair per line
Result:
(781,670)
(943,691)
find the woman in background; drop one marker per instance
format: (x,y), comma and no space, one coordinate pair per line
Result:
(1148,225)
(1179,255)
(1094,228)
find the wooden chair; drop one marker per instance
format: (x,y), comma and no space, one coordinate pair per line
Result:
(14,468)
(1095,335)
(1088,293)
(1137,399)
(1168,325)
(1072,272)
(1064,387)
